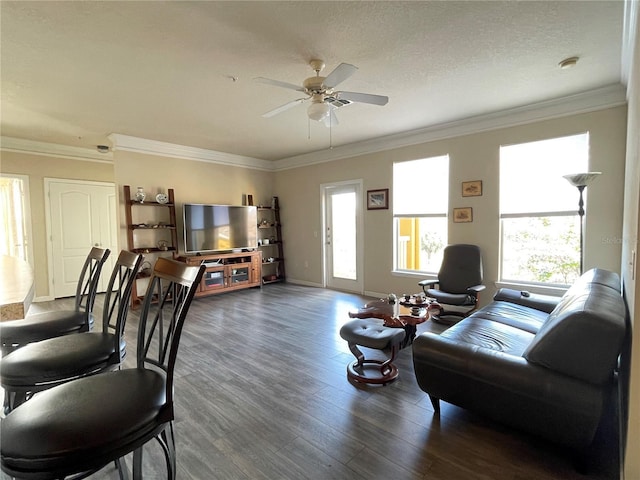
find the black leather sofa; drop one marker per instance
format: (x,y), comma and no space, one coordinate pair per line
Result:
(542,364)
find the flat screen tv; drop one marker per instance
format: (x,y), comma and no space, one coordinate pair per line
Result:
(217,228)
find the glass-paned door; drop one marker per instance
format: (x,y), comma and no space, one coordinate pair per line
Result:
(342,236)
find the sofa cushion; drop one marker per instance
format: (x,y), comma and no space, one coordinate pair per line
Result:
(483,333)
(583,335)
(518,316)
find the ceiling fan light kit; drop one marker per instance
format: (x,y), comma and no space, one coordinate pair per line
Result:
(320,90)
(318,111)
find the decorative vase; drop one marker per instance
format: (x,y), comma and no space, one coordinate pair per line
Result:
(140,195)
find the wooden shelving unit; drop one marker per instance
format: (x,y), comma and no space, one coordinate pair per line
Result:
(270,242)
(151,230)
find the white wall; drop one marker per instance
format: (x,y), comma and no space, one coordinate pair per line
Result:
(472,157)
(37,168)
(192,182)
(630,265)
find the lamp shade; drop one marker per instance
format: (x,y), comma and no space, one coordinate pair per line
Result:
(581,179)
(318,111)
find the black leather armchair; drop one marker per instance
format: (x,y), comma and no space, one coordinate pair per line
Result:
(459,282)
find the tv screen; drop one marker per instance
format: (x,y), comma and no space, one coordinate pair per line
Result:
(214,228)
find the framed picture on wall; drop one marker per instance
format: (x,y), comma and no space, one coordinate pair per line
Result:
(378,199)
(472,189)
(463,215)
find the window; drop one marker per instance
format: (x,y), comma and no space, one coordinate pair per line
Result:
(540,229)
(15,217)
(420,204)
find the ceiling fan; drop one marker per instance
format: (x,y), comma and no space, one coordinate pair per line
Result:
(320,90)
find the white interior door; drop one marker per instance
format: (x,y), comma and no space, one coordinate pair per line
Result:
(81,216)
(343,236)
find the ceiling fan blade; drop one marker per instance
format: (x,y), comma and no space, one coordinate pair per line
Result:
(278,83)
(331,120)
(284,107)
(364,98)
(339,75)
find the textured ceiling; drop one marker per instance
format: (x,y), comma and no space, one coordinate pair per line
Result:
(182,72)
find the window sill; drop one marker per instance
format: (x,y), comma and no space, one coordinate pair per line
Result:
(555,290)
(413,274)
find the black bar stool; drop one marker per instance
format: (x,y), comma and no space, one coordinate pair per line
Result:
(81,426)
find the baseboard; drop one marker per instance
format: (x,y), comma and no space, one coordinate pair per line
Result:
(304,283)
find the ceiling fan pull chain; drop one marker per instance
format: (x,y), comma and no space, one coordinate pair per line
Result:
(330,133)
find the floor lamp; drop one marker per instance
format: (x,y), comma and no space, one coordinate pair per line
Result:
(581,181)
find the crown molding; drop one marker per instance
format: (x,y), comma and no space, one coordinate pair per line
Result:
(154,147)
(593,100)
(32,147)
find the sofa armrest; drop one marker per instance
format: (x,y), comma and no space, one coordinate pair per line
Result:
(428,283)
(544,303)
(476,289)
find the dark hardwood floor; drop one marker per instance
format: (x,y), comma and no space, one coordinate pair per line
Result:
(262,393)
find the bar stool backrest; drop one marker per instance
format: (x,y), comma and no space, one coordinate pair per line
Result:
(89,278)
(170,291)
(118,295)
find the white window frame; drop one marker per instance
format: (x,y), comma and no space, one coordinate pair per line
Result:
(396,216)
(541,287)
